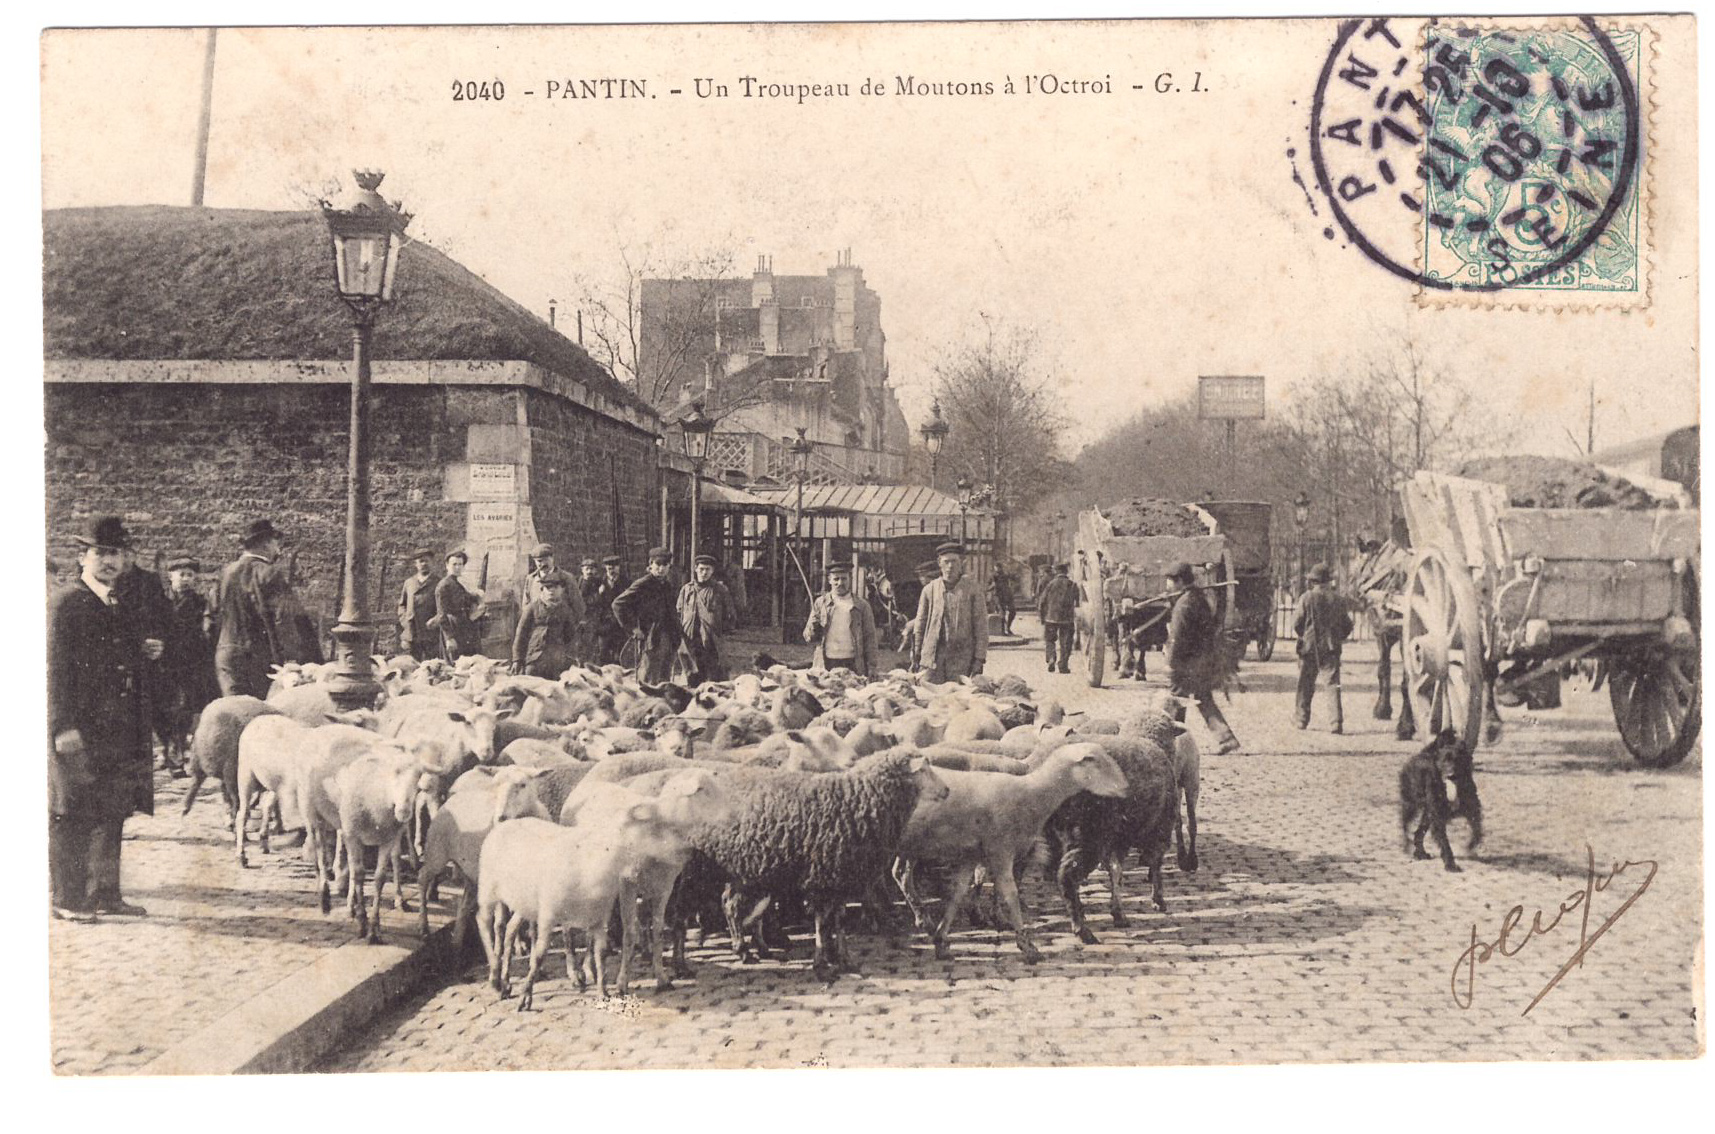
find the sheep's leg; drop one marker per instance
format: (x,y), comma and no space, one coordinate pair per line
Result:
(315,840)
(537,949)
(238,828)
(905,877)
(658,942)
(1116,884)
(841,957)
(1007,888)
(197,778)
(729,906)
(1189,865)
(487,920)
(423,881)
(1070,874)
(598,952)
(514,922)
(574,963)
(400,902)
(962,880)
(980,918)
(1422,829)
(341,859)
(356,903)
(819,962)
(1156,892)
(270,807)
(627,936)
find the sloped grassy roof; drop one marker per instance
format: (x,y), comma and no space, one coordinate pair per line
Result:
(159,282)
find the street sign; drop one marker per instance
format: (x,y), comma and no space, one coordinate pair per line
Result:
(1229,397)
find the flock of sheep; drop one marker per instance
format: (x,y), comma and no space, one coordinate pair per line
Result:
(742,806)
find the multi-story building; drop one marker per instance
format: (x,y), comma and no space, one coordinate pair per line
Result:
(771,355)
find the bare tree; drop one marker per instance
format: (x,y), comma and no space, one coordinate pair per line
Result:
(1006,422)
(657,347)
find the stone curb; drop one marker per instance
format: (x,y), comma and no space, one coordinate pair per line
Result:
(291,1026)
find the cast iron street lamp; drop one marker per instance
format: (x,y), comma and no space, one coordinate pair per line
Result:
(1054,541)
(1301,517)
(964,487)
(934,433)
(801,449)
(694,430)
(367,235)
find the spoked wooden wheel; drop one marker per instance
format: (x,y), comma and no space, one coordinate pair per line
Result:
(1442,644)
(1657,694)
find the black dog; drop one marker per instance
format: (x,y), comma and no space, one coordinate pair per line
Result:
(1423,796)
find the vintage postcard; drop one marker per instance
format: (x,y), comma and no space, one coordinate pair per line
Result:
(795,545)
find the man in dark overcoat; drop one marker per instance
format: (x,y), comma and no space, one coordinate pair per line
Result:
(1194,663)
(1322,625)
(647,612)
(258,610)
(99,766)
(417,608)
(610,633)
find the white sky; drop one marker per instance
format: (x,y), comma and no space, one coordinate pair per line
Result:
(1147,238)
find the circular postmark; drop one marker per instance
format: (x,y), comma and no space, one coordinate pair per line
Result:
(1477,159)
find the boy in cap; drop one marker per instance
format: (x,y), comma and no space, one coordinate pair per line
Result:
(256,604)
(1194,663)
(646,611)
(1058,608)
(706,612)
(544,569)
(1322,624)
(417,608)
(952,619)
(841,626)
(542,646)
(100,769)
(187,665)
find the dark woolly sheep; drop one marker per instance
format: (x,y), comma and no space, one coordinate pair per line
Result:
(1088,831)
(1017,714)
(742,729)
(644,714)
(556,784)
(824,838)
(214,746)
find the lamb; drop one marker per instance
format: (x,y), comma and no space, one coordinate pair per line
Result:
(369,800)
(455,837)
(1087,831)
(544,875)
(214,746)
(822,837)
(270,751)
(989,819)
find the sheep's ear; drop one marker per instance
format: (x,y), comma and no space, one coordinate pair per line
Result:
(918,763)
(642,813)
(506,712)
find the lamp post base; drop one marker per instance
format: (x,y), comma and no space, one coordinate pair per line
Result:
(353,684)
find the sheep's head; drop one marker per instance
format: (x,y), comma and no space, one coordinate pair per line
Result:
(931,788)
(694,797)
(1093,769)
(515,793)
(477,731)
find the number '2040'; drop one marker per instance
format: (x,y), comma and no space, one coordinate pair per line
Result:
(469,90)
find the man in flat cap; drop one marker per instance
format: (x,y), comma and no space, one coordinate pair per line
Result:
(257,607)
(1194,662)
(1322,624)
(187,666)
(542,645)
(100,768)
(646,611)
(610,635)
(417,608)
(841,626)
(1058,609)
(952,620)
(706,614)
(543,569)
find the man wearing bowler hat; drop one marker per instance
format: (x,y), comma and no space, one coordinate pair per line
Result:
(1194,663)
(706,613)
(646,611)
(417,608)
(952,621)
(841,626)
(257,606)
(99,764)
(1322,624)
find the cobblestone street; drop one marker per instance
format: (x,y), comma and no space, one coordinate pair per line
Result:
(1307,935)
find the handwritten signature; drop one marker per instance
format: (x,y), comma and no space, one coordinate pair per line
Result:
(1479,952)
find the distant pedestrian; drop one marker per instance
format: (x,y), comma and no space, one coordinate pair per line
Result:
(543,643)
(99,765)
(841,626)
(417,608)
(706,615)
(952,619)
(457,612)
(1322,624)
(610,635)
(1194,662)
(187,665)
(1004,600)
(1057,608)
(257,614)
(646,612)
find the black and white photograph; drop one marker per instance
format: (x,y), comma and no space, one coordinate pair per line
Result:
(793,545)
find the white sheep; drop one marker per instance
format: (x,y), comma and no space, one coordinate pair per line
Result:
(545,875)
(989,819)
(369,800)
(455,836)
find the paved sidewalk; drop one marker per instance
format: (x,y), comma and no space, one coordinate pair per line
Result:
(127,991)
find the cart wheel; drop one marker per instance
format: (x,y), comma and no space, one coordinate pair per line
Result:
(1442,644)
(1096,649)
(1265,639)
(1657,696)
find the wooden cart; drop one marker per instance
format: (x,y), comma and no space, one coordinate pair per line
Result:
(1246,526)
(1501,593)
(1108,568)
